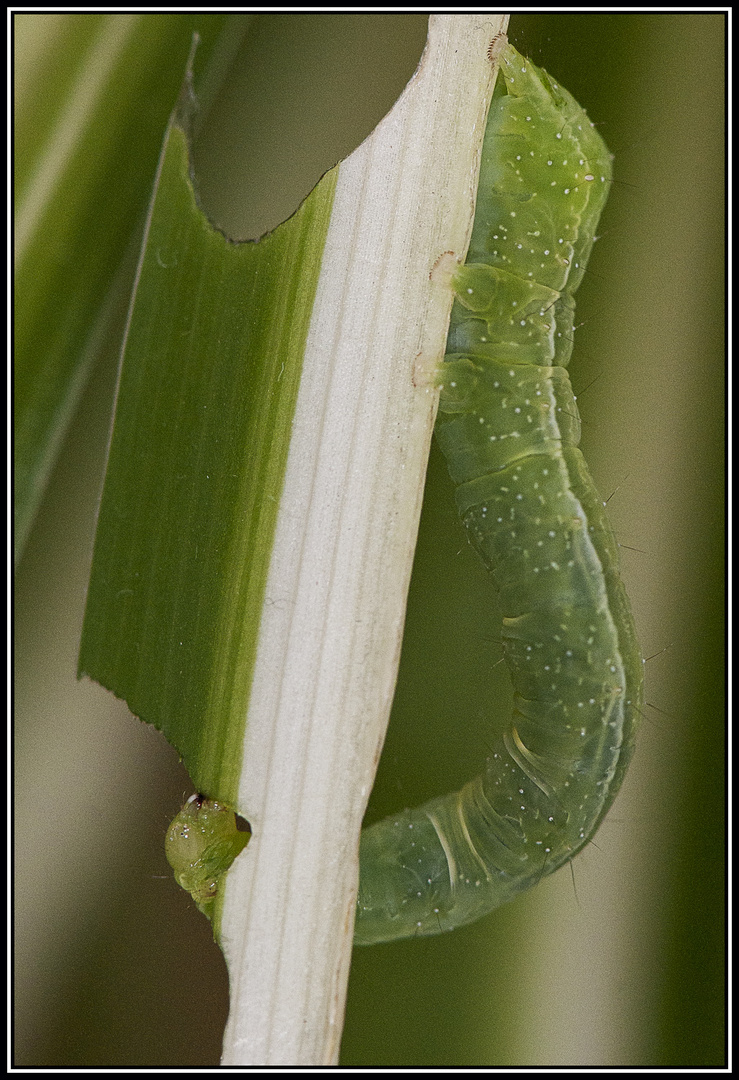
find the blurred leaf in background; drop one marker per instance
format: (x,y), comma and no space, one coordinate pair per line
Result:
(93,95)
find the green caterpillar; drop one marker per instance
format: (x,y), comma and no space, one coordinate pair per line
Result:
(509,429)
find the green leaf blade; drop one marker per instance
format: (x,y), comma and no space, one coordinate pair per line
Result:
(206,396)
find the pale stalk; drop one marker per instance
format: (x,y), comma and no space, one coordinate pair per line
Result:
(330,637)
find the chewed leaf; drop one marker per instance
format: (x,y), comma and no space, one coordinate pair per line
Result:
(202,843)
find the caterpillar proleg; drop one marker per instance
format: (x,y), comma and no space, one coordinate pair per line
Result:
(509,428)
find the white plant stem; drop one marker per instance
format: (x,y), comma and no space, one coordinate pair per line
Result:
(330,636)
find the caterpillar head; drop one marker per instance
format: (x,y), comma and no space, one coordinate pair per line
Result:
(202,842)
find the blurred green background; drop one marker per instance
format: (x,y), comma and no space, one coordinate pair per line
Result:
(620,963)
